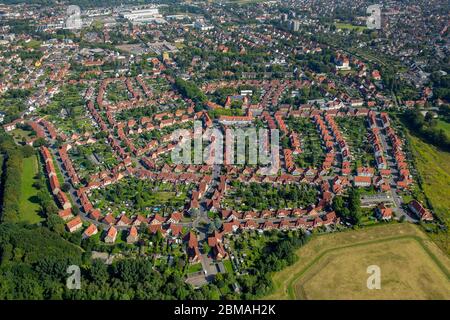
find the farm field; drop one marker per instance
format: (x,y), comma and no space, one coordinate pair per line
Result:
(333,266)
(29,208)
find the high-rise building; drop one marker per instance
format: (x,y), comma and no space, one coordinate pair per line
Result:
(295,25)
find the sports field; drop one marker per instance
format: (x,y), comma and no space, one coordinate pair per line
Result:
(334,266)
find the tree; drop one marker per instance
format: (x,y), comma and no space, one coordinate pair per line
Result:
(27,151)
(98,272)
(338,204)
(190,91)
(355,206)
(65,187)
(55,223)
(218,223)
(39,142)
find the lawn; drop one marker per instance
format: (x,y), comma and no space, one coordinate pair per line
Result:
(117,91)
(195,268)
(228,266)
(29,208)
(333,266)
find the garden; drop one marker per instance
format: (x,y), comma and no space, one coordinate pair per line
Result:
(312,154)
(265,196)
(134,196)
(354,130)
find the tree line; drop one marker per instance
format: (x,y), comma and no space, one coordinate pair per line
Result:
(426,127)
(349,208)
(12,171)
(190,90)
(34,261)
(276,256)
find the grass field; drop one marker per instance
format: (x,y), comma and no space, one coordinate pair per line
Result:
(349,26)
(444,125)
(334,266)
(434,168)
(29,208)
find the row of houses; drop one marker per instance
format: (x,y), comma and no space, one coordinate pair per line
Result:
(55,187)
(110,235)
(68,163)
(405,178)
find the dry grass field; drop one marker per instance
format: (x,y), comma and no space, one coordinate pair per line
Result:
(334,266)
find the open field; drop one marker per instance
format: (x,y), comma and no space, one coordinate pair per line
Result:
(444,125)
(29,208)
(349,26)
(333,266)
(434,168)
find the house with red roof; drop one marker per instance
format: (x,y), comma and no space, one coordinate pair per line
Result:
(90,231)
(417,208)
(362,181)
(123,221)
(109,219)
(133,236)
(383,212)
(111,235)
(193,251)
(65,214)
(74,224)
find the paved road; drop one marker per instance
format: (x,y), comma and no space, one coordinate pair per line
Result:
(200,224)
(398,201)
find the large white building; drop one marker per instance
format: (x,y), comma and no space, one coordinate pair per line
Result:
(142,15)
(200,24)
